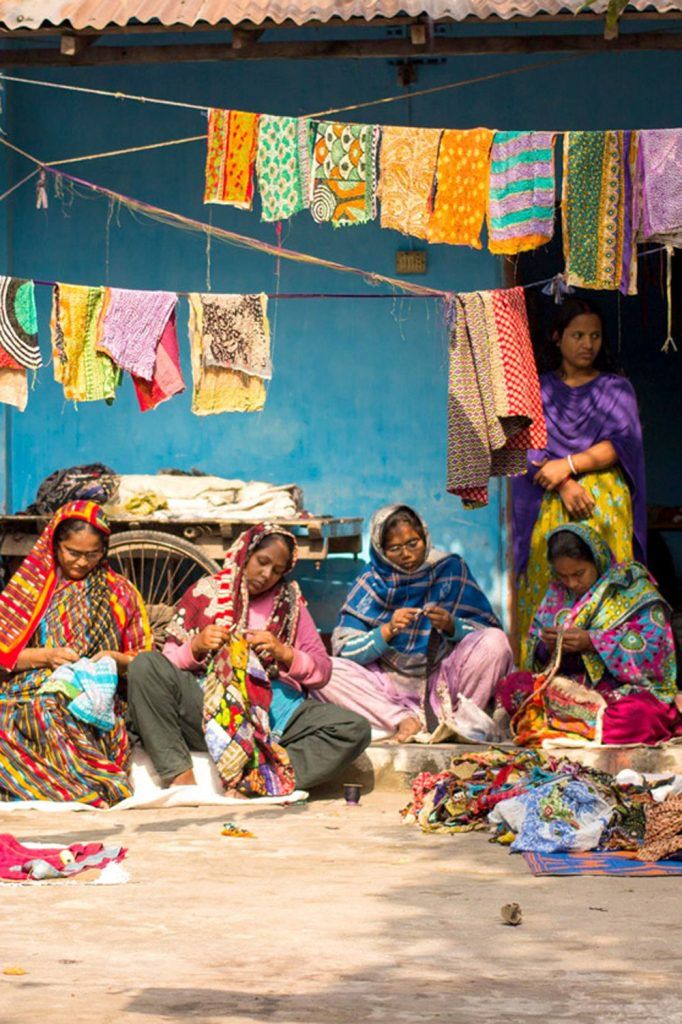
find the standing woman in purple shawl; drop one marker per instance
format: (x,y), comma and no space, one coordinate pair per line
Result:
(593,467)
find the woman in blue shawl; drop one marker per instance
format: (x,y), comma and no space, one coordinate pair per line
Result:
(415,632)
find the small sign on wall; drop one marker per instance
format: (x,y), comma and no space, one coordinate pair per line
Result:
(410,261)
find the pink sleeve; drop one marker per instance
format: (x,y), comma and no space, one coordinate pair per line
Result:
(312,666)
(181,656)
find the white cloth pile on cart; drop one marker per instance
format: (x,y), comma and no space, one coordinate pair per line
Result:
(169,496)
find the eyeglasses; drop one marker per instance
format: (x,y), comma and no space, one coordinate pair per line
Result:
(91,557)
(410,545)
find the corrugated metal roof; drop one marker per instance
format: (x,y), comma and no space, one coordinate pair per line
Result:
(101,14)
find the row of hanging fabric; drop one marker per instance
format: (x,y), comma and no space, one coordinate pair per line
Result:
(494,404)
(99,333)
(619,187)
(495,410)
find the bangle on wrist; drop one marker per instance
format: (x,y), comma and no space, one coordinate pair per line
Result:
(571,465)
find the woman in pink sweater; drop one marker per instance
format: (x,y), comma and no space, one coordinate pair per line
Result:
(241,654)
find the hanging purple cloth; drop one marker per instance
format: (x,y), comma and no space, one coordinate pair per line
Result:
(605,409)
(660,173)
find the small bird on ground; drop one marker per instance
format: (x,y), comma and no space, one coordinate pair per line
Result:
(511,913)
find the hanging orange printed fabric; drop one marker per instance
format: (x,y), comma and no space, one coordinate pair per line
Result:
(461,197)
(230,157)
(407,164)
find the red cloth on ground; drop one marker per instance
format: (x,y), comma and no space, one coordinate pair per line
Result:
(13,856)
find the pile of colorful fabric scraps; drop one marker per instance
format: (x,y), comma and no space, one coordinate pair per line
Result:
(90,687)
(494,403)
(95,482)
(19,350)
(537,803)
(97,333)
(20,863)
(230,342)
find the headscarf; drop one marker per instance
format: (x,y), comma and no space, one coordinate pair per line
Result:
(442,578)
(626,616)
(223,599)
(236,695)
(604,409)
(27,595)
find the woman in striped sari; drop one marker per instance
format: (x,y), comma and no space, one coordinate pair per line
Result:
(69,628)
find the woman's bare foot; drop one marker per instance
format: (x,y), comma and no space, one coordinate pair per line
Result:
(235,794)
(184,779)
(408,728)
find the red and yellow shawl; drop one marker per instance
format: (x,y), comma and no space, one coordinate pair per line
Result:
(27,596)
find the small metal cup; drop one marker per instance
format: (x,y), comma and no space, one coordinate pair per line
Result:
(351,792)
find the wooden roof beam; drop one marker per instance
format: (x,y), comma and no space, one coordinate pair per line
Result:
(442,46)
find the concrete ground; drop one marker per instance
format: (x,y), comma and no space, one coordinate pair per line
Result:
(329,915)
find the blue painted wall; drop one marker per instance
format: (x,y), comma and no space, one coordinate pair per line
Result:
(356,413)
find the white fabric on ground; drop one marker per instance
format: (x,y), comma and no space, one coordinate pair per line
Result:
(148,792)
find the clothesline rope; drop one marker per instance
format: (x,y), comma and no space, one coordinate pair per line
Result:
(102,92)
(123,152)
(449,85)
(333,110)
(189,223)
(18,184)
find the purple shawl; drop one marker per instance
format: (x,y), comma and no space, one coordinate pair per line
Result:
(605,409)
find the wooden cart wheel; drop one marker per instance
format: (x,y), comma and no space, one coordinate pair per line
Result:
(162,567)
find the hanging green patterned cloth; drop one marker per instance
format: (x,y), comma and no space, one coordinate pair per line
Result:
(344,173)
(599,177)
(279,167)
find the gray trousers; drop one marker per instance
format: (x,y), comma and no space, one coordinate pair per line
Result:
(165,709)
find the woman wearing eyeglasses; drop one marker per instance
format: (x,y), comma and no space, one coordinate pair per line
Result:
(69,628)
(415,631)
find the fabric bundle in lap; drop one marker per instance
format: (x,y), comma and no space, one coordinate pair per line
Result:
(344,173)
(659,163)
(407,165)
(237,688)
(521,191)
(230,347)
(230,157)
(167,379)
(494,403)
(461,187)
(85,374)
(279,166)
(132,325)
(598,188)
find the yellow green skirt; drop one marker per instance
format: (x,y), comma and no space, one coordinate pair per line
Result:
(611,518)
